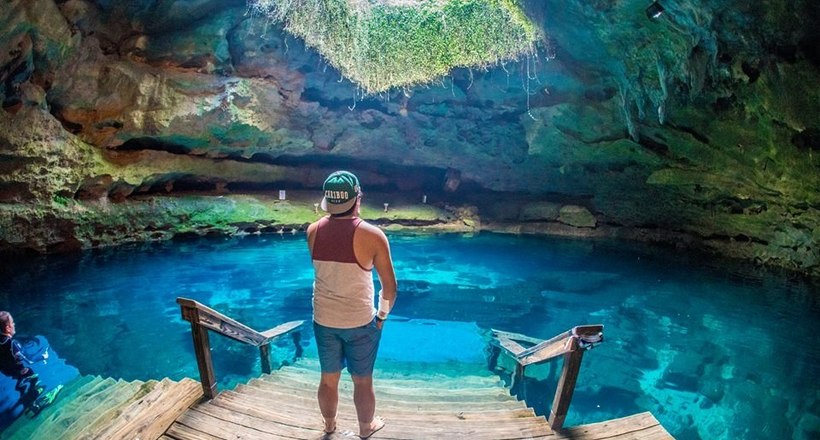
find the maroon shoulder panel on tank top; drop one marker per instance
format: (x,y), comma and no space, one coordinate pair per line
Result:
(334,239)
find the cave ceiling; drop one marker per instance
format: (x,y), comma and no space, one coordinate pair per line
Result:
(703,119)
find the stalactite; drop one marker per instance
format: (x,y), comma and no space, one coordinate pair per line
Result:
(623,93)
(661,105)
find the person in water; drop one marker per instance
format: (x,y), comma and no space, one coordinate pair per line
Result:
(11,363)
(345,249)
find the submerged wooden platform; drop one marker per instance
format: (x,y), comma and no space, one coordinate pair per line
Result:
(92,407)
(282,405)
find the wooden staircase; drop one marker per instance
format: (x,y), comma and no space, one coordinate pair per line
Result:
(92,407)
(282,405)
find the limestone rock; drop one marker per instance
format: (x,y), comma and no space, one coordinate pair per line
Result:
(577,216)
(698,129)
(540,211)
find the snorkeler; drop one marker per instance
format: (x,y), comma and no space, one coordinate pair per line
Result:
(11,364)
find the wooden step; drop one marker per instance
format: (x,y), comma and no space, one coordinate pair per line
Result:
(429,373)
(231,415)
(23,427)
(263,389)
(451,412)
(75,421)
(642,426)
(110,410)
(150,415)
(418,425)
(415,381)
(91,407)
(444,384)
(394,388)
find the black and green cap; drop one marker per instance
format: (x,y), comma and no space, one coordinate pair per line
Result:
(341,190)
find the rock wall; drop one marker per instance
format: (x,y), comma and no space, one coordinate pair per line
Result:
(697,128)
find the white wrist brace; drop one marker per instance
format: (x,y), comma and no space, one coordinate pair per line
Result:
(384,307)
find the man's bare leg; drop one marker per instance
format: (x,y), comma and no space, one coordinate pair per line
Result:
(329,399)
(364,398)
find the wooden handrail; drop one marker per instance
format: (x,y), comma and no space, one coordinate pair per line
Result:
(571,344)
(204,318)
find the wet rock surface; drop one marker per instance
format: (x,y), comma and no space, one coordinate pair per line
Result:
(697,128)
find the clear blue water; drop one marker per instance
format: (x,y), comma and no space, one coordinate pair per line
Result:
(714,350)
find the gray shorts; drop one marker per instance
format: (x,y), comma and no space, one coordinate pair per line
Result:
(352,347)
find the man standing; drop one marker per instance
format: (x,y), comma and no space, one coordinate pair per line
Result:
(347,325)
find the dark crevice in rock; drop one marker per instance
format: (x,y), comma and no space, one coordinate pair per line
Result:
(178,183)
(654,146)
(808,139)
(149,143)
(15,192)
(397,177)
(724,103)
(694,133)
(751,71)
(108,124)
(600,94)
(737,238)
(10,163)
(316,95)
(56,110)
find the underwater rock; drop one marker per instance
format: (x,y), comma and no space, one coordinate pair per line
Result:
(808,427)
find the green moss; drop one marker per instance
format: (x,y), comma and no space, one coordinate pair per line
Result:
(60,200)
(381,46)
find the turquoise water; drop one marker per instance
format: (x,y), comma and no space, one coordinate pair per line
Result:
(714,350)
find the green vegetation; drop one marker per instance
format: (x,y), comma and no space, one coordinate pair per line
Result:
(400,43)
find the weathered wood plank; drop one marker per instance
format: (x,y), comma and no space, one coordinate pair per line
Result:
(310,407)
(638,426)
(213,320)
(109,418)
(150,416)
(515,336)
(308,417)
(214,419)
(441,382)
(511,346)
(546,352)
(566,386)
(178,431)
(304,426)
(105,409)
(390,391)
(86,399)
(262,388)
(281,329)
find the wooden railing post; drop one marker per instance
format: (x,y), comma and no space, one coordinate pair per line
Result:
(570,344)
(264,353)
(566,386)
(202,348)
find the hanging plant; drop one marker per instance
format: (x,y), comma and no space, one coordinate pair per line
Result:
(382,44)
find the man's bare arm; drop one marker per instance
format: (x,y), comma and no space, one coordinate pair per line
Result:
(383,262)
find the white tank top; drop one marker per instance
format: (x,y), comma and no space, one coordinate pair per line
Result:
(343,291)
